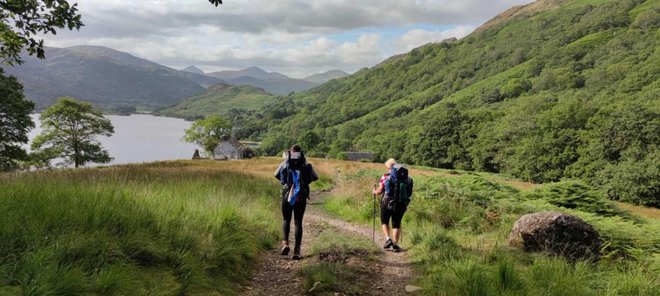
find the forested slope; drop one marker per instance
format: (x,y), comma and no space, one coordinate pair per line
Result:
(224,99)
(571,90)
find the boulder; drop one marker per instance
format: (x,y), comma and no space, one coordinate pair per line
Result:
(557,233)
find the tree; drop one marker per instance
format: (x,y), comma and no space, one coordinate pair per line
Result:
(439,142)
(69,132)
(15,122)
(207,133)
(22,20)
(309,140)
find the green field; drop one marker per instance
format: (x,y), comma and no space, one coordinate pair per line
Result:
(156,229)
(196,228)
(457,226)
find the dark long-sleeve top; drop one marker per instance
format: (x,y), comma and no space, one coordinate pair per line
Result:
(308,176)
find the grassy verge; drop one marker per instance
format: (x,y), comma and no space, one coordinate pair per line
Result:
(457,225)
(157,229)
(337,266)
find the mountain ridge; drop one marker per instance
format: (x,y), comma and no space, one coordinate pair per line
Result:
(103,76)
(273,82)
(193,69)
(326,76)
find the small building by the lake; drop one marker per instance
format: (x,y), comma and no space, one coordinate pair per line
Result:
(359,156)
(228,149)
(232,150)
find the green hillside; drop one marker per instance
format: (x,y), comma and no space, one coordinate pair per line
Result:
(220,99)
(553,90)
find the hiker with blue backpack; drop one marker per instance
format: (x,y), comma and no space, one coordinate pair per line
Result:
(396,187)
(295,175)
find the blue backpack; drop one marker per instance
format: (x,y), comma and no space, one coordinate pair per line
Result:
(398,188)
(295,163)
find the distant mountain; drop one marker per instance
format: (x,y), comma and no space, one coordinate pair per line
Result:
(327,76)
(106,77)
(219,99)
(193,69)
(233,74)
(273,82)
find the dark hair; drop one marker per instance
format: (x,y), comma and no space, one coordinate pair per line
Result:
(296,148)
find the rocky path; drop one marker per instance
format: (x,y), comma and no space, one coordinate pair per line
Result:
(279,275)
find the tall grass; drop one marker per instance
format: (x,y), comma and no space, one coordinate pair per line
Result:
(336,268)
(159,229)
(458,226)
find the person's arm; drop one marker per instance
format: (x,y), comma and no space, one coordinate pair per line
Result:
(379,190)
(381,186)
(281,173)
(278,171)
(312,174)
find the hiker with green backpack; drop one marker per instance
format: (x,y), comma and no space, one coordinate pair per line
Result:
(295,174)
(396,187)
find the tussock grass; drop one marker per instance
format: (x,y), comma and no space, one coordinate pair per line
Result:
(325,278)
(346,244)
(335,269)
(156,229)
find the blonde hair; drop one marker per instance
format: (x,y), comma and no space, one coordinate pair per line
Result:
(390,163)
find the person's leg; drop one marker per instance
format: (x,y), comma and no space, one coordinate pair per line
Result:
(386,230)
(385,215)
(298,213)
(397,235)
(287,210)
(396,225)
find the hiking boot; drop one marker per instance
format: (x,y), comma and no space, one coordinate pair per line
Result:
(396,248)
(285,248)
(388,243)
(296,254)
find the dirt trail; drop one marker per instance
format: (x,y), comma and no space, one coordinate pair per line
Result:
(279,275)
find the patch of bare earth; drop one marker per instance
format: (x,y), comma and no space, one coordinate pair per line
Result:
(280,275)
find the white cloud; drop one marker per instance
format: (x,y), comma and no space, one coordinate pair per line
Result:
(418,37)
(296,37)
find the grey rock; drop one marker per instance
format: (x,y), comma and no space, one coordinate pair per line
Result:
(558,233)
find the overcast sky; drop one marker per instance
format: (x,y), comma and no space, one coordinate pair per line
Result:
(294,37)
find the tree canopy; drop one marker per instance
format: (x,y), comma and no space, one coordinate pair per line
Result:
(22,21)
(208,132)
(15,122)
(70,128)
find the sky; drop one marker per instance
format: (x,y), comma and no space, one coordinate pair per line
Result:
(294,37)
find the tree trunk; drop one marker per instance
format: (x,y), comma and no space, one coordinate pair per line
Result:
(76,156)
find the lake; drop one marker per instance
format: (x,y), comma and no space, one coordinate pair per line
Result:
(142,138)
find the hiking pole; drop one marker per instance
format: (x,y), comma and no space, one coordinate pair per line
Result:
(373,232)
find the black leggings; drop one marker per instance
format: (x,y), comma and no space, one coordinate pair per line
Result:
(386,214)
(298,211)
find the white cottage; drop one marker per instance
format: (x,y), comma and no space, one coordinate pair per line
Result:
(226,150)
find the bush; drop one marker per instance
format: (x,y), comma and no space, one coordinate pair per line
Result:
(515,87)
(575,195)
(633,181)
